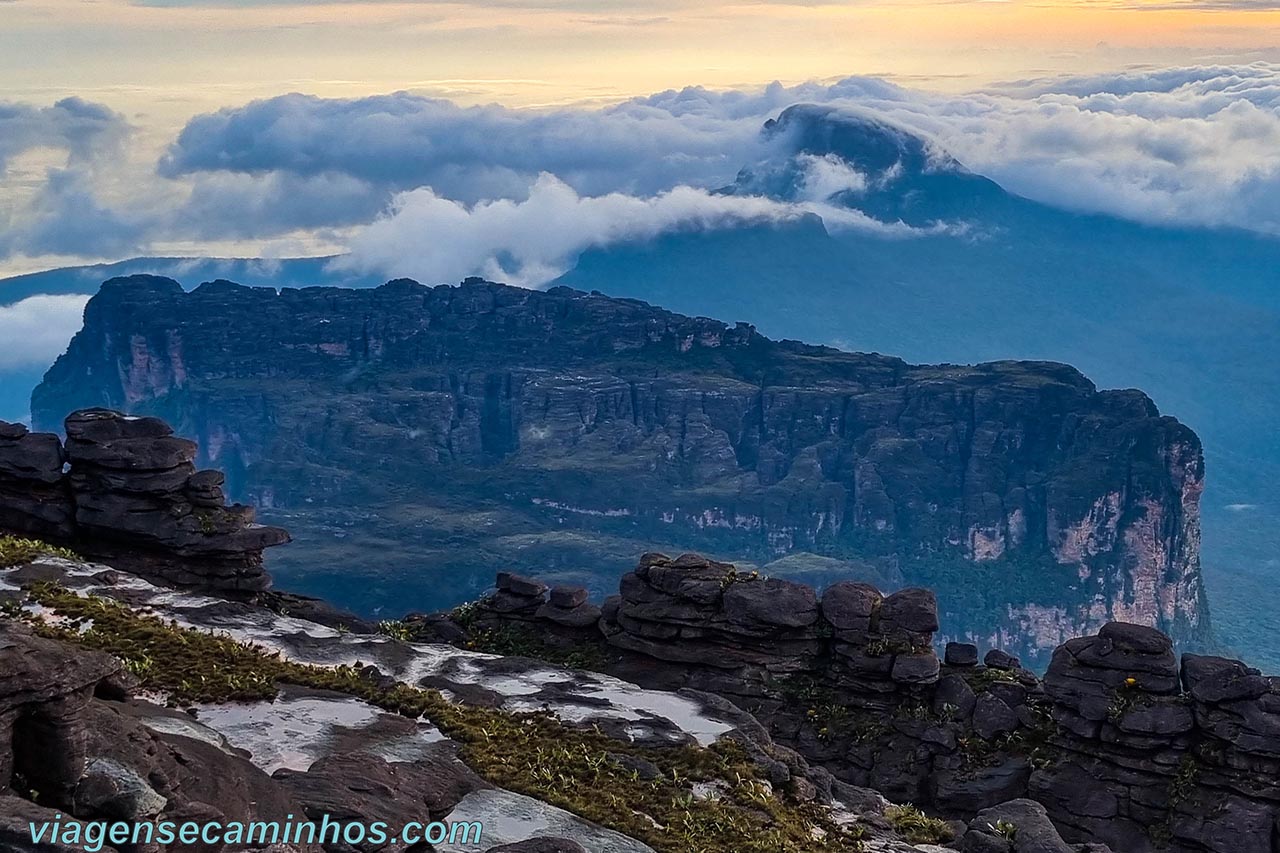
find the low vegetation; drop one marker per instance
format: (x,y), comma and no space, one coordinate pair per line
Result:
(917,827)
(14,551)
(513,641)
(532,753)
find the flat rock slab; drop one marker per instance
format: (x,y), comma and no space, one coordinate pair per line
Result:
(509,818)
(302,727)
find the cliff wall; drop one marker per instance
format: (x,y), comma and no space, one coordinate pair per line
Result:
(559,428)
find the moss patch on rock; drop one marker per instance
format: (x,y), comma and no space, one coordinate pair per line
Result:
(531,753)
(15,550)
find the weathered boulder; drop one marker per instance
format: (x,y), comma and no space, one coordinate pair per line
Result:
(44,693)
(961,654)
(850,606)
(1213,680)
(1000,659)
(568,597)
(1018,826)
(911,612)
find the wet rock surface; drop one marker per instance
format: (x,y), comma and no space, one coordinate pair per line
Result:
(127,489)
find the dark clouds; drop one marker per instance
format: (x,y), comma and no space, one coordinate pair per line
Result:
(403,141)
(83,129)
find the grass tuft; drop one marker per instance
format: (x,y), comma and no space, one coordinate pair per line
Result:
(15,550)
(917,827)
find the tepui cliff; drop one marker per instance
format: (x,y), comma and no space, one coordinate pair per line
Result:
(483,423)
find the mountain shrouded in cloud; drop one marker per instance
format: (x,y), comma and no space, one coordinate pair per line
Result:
(1195,146)
(860,161)
(530,242)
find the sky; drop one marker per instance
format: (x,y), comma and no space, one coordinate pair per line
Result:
(275,128)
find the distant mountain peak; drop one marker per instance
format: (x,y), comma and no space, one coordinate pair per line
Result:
(864,141)
(856,159)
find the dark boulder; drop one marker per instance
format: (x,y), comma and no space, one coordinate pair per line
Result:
(961,654)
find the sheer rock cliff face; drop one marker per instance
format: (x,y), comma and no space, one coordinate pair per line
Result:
(1038,506)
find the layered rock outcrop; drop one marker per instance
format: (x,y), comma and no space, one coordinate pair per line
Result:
(1121,742)
(84,737)
(126,489)
(480,425)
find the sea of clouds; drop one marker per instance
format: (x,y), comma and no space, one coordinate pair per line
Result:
(420,186)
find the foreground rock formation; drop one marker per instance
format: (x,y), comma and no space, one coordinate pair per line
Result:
(79,742)
(1121,742)
(127,489)
(486,425)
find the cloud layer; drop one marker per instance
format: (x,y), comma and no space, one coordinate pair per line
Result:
(38,329)
(1184,146)
(534,240)
(1187,146)
(83,129)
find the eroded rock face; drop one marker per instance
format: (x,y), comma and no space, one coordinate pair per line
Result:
(127,489)
(1065,506)
(1120,744)
(44,696)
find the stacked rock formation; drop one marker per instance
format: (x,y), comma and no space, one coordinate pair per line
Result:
(697,611)
(1156,754)
(1120,743)
(563,611)
(33,492)
(126,490)
(756,633)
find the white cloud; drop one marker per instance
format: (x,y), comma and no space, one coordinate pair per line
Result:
(36,330)
(829,176)
(1195,146)
(534,240)
(1181,146)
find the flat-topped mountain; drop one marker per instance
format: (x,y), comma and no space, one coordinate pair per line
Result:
(463,428)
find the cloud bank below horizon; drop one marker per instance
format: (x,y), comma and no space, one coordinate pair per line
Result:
(533,241)
(40,327)
(1193,146)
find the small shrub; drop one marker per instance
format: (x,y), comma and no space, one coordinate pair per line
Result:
(1006,829)
(396,629)
(917,827)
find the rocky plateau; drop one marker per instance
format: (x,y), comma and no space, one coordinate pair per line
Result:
(448,430)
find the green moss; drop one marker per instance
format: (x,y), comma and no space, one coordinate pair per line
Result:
(515,641)
(532,753)
(15,550)
(917,827)
(980,679)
